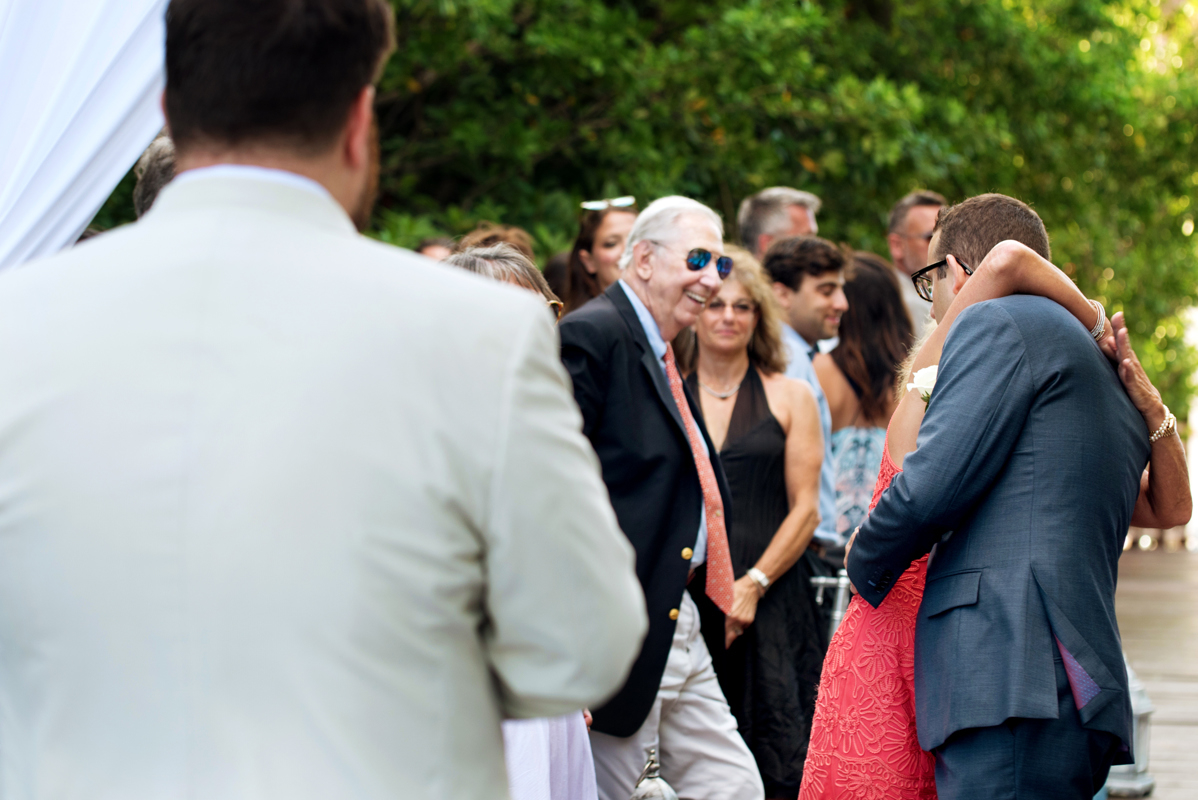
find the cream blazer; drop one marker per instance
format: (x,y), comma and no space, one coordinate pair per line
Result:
(286,513)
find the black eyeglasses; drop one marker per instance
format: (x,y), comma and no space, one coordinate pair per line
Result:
(923,278)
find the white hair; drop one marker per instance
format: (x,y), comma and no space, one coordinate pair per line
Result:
(659,222)
(766,212)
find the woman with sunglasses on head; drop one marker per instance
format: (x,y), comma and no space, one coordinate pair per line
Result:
(864,737)
(767,431)
(595,259)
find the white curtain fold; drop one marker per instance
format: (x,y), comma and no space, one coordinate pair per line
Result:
(80,82)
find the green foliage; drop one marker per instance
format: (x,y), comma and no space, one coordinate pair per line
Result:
(516,110)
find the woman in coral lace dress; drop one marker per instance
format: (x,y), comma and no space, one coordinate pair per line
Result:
(863,740)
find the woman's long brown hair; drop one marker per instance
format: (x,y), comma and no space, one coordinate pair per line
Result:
(875,333)
(581,285)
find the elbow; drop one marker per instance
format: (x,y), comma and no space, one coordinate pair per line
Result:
(1179,513)
(621,643)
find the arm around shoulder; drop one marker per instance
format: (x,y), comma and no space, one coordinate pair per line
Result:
(567,611)
(984,391)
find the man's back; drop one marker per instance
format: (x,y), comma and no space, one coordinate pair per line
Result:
(286,513)
(1032,566)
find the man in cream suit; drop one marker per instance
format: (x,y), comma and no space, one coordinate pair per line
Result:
(284,512)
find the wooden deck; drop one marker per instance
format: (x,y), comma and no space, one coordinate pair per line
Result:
(1157,603)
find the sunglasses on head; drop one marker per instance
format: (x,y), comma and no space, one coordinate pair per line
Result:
(615,202)
(923,278)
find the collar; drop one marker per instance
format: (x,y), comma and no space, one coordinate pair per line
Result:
(251,172)
(244,194)
(653,333)
(798,342)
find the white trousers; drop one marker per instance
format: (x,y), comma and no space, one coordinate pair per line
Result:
(701,753)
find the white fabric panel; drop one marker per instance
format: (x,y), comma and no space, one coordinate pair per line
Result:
(80,82)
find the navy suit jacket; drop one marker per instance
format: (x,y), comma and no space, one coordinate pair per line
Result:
(629,414)
(1028,464)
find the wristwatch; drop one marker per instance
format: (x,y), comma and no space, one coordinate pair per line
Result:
(759,578)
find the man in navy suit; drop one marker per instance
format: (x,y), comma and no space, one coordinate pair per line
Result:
(1022,487)
(670,496)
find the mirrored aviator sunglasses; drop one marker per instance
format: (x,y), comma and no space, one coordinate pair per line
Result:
(615,202)
(699,258)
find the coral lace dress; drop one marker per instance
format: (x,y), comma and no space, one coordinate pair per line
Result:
(863,741)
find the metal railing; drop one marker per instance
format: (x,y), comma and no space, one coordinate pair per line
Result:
(840,600)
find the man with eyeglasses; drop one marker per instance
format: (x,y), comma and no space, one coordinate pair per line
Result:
(911,222)
(670,497)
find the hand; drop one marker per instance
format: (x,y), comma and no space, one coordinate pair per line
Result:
(1143,394)
(1107,343)
(745,594)
(587,718)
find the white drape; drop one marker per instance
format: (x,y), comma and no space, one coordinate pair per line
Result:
(79,88)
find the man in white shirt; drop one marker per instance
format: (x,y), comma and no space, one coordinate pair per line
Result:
(911,222)
(287,513)
(808,276)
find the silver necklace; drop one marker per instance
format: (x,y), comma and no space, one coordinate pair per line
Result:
(721,395)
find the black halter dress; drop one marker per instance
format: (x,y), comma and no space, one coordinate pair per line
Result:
(769,675)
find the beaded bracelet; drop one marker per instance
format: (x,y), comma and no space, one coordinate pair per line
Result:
(1168,426)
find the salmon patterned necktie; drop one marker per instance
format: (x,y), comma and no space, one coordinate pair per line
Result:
(719,559)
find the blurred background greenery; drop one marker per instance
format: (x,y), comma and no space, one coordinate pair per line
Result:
(514,111)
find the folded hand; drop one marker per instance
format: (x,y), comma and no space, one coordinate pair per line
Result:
(745,594)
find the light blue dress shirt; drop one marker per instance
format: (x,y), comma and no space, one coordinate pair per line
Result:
(800,367)
(658,345)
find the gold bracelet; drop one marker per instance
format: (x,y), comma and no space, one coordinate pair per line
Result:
(1167,427)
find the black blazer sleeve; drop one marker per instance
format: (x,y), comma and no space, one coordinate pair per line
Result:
(585,356)
(984,391)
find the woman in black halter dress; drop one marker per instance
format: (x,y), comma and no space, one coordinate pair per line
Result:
(770,669)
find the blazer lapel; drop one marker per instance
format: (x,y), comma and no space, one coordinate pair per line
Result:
(649,361)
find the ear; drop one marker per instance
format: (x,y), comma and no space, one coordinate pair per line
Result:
(959,277)
(763,243)
(165,118)
(895,242)
(642,264)
(358,129)
(782,293)
(588,262)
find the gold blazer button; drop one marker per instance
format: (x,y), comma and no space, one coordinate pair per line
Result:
(687,553)
(673,613)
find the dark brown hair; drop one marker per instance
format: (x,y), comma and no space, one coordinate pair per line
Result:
(875,333)
(970,229)
(921,197)
(284,72)
(581,285)
(488,234)
(788,260)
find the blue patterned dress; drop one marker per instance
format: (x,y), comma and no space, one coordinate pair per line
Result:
(856,459)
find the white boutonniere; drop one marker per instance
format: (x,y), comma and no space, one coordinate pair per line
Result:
(923,380)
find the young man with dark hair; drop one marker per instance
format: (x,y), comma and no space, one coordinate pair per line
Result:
(1022,486)
(911,222)
(273,528)
(808,276)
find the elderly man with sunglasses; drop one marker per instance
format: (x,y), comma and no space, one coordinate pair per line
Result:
(670,496)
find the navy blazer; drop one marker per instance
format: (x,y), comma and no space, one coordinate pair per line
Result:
(1028,464)
(630,417)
